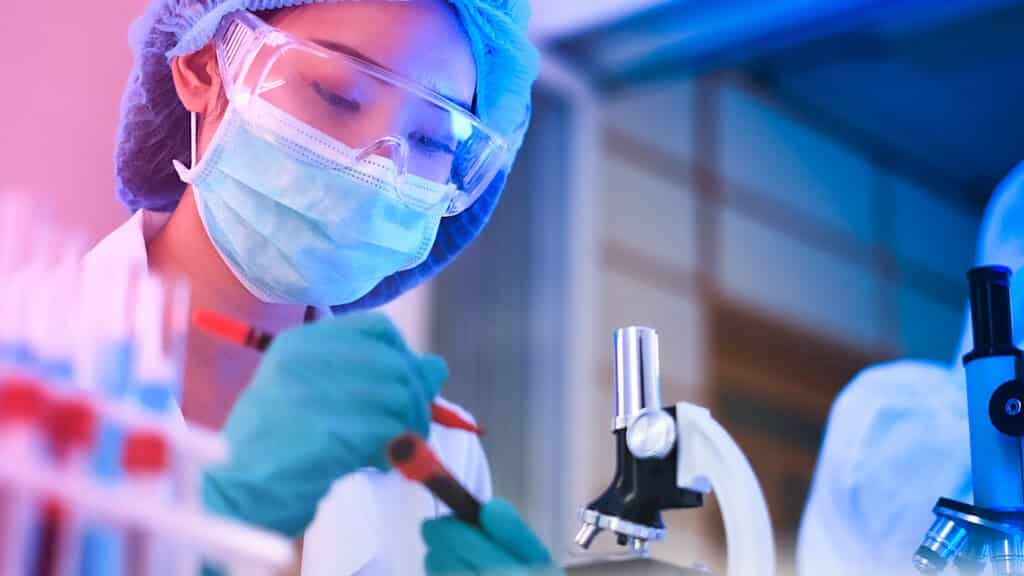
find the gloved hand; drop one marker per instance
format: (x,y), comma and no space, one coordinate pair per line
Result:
(325,401)
(503,544)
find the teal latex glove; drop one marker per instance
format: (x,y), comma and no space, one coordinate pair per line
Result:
(325,401)
(503,544)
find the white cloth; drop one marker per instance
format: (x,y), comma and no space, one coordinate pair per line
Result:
(897,438)
(369,523)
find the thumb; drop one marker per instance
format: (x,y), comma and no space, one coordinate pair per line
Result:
(504,525)
(433,372)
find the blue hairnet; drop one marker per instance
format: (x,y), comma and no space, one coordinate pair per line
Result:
(1001,242)
(1002,230)
(154,129)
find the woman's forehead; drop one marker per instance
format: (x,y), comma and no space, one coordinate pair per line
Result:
(421,40)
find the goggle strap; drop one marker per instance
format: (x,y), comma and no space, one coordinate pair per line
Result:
(236,40)
(232,42)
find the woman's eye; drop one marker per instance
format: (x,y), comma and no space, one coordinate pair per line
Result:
(434,145)
(334,99)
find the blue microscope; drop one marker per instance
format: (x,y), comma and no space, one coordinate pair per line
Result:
(991,531)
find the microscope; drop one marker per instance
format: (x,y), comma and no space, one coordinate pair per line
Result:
(671,458)
(991,530)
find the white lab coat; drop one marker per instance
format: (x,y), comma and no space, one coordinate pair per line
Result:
(369,523)
(898,439)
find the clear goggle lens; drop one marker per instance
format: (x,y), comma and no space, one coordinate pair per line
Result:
(365,107)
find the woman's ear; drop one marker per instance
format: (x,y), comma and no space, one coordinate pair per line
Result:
(197,81)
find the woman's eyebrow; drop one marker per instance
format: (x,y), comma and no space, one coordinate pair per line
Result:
(350,51)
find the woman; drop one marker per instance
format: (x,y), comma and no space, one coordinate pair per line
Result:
(327,155)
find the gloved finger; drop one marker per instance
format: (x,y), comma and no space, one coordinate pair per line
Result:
(368,446)
(393,410)
(503,524)
(429,374)
(355,333)
(434,372)
(449,535)
(441,563)
(343,360)
(286,518)
(380,395)
(372,324)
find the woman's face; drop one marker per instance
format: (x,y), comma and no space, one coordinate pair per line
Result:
(419,40)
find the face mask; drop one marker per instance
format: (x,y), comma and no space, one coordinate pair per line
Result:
(297,225)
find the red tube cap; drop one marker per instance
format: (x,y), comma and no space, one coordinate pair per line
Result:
(72,424)
(22,400)
(145,452)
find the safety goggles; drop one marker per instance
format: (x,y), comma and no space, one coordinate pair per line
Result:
(382,117)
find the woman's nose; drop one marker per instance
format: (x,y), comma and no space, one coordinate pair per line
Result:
(382,124)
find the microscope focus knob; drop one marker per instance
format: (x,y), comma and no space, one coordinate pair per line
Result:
(1006,408)
(651,434)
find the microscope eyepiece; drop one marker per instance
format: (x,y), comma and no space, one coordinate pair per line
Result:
(991,322)
(637,374)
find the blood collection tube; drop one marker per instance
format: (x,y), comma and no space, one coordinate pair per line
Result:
(240,333)
(23,404)
(105,354)
(146,465)
(70,423)
(161,321)
(71,426)
(418,463)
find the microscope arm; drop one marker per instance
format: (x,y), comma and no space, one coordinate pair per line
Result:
(709,460)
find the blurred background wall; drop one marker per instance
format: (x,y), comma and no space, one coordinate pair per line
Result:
(787,191)
(65,65)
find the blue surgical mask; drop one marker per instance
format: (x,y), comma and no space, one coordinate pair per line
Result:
(299,218)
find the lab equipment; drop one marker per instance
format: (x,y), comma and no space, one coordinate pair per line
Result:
(242,334)
(449,418)
(70,500)
(22,415)
(71,433)
(989,532)
(146,465)
(891,422)
(411,456)
(501,543)
(669,458)
(160,324)
(41,489)
(479,538)
(222,542)
(105,362)
(153,128)
(232,330)
(357,387)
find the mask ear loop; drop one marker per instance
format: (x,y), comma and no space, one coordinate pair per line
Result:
(185,173)
(194,136)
